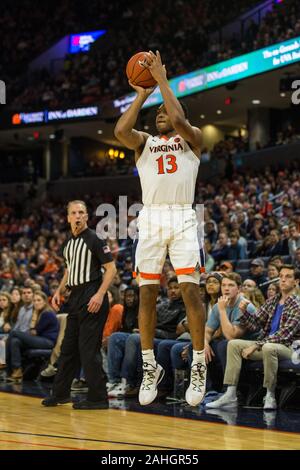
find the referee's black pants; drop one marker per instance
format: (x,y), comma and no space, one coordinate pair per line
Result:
(82,345)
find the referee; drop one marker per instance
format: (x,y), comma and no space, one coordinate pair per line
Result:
(84,254)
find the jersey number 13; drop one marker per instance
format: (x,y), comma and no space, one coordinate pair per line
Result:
(166,164)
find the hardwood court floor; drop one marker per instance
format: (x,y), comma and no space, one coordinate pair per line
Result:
(25,424)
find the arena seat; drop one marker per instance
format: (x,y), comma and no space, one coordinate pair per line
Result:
(288,382)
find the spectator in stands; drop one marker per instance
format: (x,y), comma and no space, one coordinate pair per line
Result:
(258,231)
(5,324)
(297,258)
(272,271)
(265,205)
(221,249)
(294,240)
(117,341)
(16,300)
(126,273)
(248,285)
(5,311)
(209,261)
(211,232)
(226,267)
(225,314)
(68,87)
(117,282)
(236,249)
(284,238)
(212,291)
(51,368)
(25,312)
(202,290)
(279,320)
(257,267)
(276,245)
(255,296)
(277,260)
(113,322)
(42,335)
(287,212)
(273,289)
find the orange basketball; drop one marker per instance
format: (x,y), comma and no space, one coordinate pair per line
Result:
(137,74)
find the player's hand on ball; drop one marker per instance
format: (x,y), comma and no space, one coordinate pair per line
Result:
(154,64)
(145,92)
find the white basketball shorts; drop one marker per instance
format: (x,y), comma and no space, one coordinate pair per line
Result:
(167,229)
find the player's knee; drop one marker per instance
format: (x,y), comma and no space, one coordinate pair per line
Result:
(148,294)
(190,293)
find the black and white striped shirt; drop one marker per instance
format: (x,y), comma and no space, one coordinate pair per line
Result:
(84,255)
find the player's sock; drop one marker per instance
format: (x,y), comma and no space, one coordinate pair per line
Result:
(148,357)
(198,357)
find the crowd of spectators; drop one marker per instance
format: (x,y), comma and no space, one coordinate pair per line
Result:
(252,227)
(248,215)
(99,74)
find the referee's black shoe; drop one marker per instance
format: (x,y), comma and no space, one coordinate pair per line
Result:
(54,401)
(91,405)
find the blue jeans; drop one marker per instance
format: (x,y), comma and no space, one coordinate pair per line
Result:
(18,341)
(115,354)
(124,357)
(169,357)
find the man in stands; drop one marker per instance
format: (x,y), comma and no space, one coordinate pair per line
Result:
(257,268)
(279,320)
(220,326)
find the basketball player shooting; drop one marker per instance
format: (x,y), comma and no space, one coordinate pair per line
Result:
(168,166)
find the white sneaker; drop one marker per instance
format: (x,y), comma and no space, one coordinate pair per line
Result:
(270,403)
(118,391)
(151,378)
(223,402)
(110,386)
(196,390)
(50,371)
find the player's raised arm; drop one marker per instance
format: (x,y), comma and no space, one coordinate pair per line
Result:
(124,130)
(173,107)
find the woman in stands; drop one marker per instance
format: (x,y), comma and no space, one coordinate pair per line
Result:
(273,290)
(255,296)
(213,291)
(5,324)
(42,335)
(16,300)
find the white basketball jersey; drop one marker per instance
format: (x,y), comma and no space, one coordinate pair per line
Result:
(168,171)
